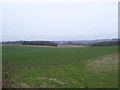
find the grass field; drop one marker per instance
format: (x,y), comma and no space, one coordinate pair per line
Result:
(81,67)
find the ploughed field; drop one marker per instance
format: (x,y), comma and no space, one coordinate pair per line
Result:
(45,67)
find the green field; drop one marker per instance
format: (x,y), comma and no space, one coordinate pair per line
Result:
(82,67)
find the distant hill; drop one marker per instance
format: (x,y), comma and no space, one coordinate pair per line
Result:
(97,42)
(107,43)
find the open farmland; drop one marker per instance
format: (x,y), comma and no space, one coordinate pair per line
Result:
(80,67)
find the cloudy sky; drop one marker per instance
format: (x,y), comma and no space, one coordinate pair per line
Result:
(59,20)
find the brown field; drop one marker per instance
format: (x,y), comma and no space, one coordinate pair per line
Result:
(69,46)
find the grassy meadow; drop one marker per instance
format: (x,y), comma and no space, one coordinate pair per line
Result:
(47,67)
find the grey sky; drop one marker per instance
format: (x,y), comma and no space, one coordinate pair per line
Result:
(59,21)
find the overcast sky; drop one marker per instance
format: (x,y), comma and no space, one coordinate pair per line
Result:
(59,21)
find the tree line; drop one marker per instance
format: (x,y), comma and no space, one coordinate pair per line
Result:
(44,43)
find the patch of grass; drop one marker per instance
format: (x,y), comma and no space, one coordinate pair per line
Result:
(107,65)
(8,72)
